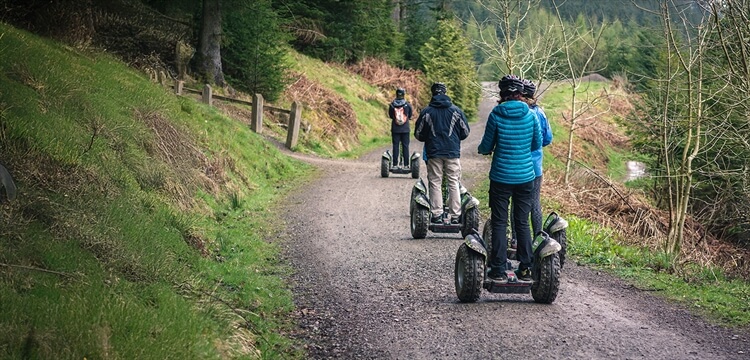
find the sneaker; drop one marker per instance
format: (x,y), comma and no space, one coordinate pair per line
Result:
(524,275)
(499,276)
(437,219)
(455,221)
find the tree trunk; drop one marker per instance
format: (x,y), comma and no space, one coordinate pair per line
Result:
(399,13)
(573,116)
(210,43)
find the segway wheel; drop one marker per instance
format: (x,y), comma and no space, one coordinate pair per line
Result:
(487,235)
(546,279)
(469,273)
(415,169)
(384,164)
(420,219)
(471,221)
(562,238)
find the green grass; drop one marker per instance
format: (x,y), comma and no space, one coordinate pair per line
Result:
(705,290)
(144,224)
(369,104)
(617,164)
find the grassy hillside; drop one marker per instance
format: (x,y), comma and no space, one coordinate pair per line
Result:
(343,116)
(615,227)
(141,225)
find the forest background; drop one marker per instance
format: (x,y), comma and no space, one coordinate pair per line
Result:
(681,62)
(658,49)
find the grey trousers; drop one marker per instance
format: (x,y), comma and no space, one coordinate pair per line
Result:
(436,167)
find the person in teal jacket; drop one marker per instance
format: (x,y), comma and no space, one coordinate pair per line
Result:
(529,90)
(512,132)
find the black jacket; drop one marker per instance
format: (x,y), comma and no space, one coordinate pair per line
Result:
(441,126)
(396,128)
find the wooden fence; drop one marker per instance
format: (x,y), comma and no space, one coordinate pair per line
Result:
(256,122)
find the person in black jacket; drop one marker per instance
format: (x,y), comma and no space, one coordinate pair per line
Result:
(400,113)
(442,126)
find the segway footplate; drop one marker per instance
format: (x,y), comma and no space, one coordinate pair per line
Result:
(513,286)
(445,228)
(401,170)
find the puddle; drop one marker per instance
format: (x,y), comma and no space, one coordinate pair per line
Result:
(634,170)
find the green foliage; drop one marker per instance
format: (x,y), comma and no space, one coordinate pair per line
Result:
(343,31)
(704,289)
(418,25)
(447,59)
(112,251)
(254,51)
(367,102)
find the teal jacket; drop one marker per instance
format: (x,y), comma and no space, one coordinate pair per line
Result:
(512,132)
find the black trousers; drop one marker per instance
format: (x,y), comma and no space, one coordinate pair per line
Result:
(399,140)
(500,196)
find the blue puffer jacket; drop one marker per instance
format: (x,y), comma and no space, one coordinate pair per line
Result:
(536,155)
(441,126)
(512,132)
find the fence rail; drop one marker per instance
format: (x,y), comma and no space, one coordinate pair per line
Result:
(256,122)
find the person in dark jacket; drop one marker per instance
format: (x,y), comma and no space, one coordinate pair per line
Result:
(400,113)
(442,126)
(512,132)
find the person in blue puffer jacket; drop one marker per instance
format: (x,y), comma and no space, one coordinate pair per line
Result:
(512,132)
(529,89)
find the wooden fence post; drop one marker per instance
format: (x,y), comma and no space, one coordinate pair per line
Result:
(162,78)
(207,95)
(178,87)
(293,129)
(256,123)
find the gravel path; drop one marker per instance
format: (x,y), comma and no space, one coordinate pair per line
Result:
(364,289)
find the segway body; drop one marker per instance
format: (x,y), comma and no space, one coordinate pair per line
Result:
(387,166)
(555,226)
(471,277)
(419,211)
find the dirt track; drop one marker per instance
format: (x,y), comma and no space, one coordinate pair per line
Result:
(365,289)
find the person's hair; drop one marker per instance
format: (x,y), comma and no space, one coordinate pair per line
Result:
(513,96)
(400,92)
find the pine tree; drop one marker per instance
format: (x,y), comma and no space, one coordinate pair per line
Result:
(447,58)
(254,52)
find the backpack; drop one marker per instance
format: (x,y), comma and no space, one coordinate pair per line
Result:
(400,115)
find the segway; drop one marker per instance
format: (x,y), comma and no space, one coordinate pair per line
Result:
(387,166)
(555,226)
(419,210)
(472,259)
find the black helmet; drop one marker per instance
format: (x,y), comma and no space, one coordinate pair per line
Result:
(509,85)
(438,88)
(528,89)
(400,92)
